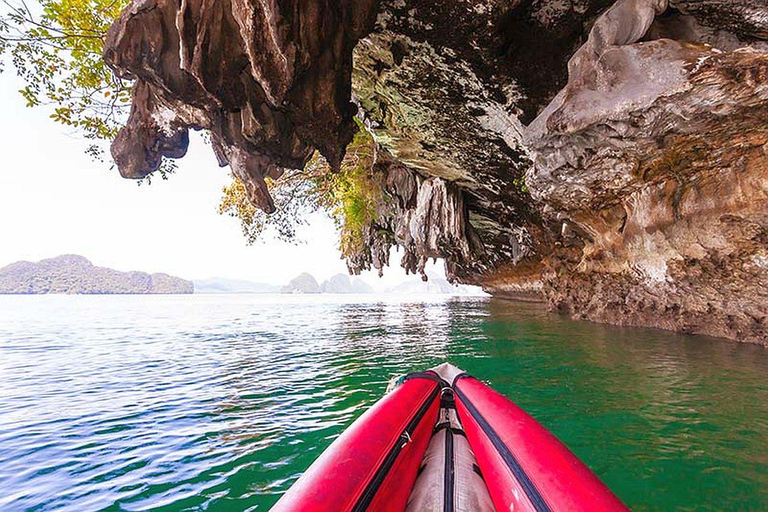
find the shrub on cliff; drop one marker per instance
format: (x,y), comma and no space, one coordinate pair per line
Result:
(351,196)
(56,47)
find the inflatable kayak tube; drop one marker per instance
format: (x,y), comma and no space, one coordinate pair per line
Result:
(443,441)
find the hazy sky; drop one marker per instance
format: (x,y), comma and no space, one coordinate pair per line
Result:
(54,199)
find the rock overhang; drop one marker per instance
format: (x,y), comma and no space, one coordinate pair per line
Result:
(586,152)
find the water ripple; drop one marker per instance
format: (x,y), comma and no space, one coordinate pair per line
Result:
(179,403)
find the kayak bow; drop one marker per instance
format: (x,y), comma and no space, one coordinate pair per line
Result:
(441,440)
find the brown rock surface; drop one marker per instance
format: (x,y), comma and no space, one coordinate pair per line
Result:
(270,80)
(606,156)
(656,151)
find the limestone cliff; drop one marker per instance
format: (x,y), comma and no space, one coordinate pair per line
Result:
(73,274)
(303,283)
(607,157)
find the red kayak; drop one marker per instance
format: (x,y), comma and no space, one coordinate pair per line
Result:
(441,440)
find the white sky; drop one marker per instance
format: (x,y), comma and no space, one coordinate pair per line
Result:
(54,199)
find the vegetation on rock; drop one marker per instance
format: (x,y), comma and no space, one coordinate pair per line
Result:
(57,50)
(56,47)
(351,196)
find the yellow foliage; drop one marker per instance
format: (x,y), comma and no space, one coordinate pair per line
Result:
(351,197)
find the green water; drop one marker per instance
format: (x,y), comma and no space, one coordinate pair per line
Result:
(219,402)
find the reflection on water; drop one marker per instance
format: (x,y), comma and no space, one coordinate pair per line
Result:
(199,401)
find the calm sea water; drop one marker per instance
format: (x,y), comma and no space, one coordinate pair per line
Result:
(220,402)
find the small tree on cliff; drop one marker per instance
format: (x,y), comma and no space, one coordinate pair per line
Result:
(351,197)
(55,46)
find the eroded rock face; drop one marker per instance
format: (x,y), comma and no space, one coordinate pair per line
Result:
(656,151)
(609,157)
(269,79)
(446,89)
(425,216)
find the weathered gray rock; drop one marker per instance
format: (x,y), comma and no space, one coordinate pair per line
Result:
(74,274)
(426,217)
(607,156)
(656,151)
(269,80)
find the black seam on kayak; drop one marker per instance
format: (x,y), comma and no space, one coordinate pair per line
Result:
(476,469)
(447,404)
(447,425)
(448,475)
(517,470)
(405,437)
(427,375)
(462,375)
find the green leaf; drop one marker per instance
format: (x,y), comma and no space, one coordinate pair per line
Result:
(58,55)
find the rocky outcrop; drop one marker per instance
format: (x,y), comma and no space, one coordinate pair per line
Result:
(425,216)
(655,152)
(608,157)
(303,283)
(341,283)
(74,274)
(269,80)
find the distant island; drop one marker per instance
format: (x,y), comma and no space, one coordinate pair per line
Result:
(73,274)
(227,285)
(306,283)
(341,283)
